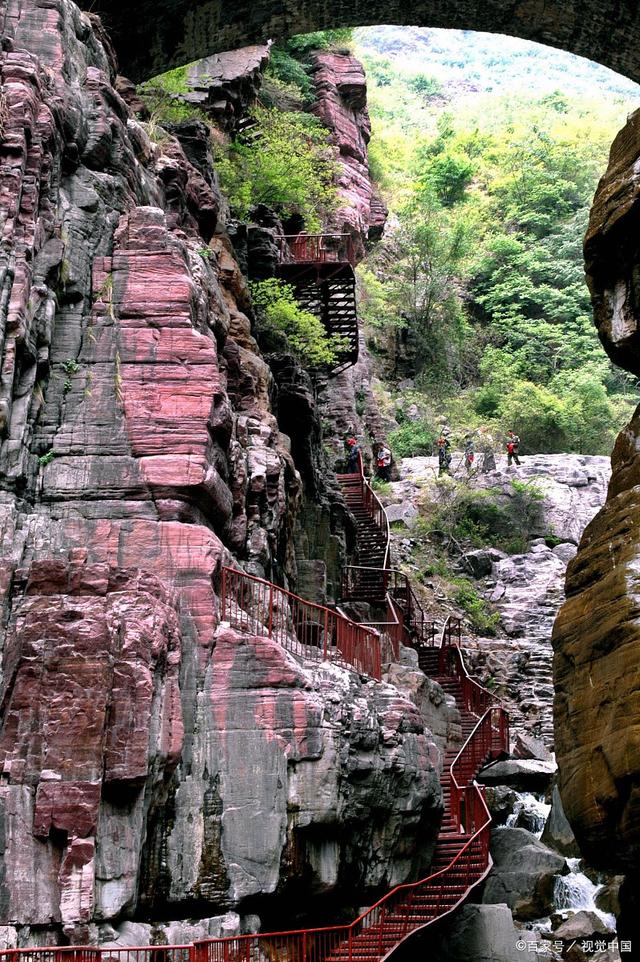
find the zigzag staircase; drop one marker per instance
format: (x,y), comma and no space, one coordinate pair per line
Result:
(320,269)
(461,859)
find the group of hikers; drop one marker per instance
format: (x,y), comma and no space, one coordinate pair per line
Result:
(444,452)
(383,457)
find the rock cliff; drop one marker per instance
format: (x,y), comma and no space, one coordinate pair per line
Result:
(596,636)
(341,103)
(524,589)
(141,451)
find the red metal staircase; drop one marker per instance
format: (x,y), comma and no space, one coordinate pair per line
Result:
(461,859)
(320,269)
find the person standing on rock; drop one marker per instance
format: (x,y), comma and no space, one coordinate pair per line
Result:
(444,458)
(469,454)
(353,456)
(513,446)
(383,462)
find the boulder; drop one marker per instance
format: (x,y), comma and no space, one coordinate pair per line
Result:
(557,832)
(475,933)
(523,774)
(582,925)
(527,746)
(406,513)
(500,802)
(523,874)
(479,562)
(565,551)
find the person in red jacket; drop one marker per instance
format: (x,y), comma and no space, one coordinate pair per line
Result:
(513,446)
(353,456)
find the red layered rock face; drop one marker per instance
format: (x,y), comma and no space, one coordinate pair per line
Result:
(139,453)
(125,478)
(341,92)
(91,705)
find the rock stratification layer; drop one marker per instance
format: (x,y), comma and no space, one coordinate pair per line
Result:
(153,762)
(164,33)
(596,635)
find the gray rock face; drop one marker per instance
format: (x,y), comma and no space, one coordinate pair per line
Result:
(441,718)
(406,513)
(523,874)
(522,774)
(475,933)
(557,833)
(526,589)
(479,562)
(321,749)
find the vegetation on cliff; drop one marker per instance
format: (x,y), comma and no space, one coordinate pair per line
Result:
(478,287)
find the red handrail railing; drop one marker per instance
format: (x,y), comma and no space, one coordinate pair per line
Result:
(91,953)
(303,628)
(406,907)
(317,249)
(314,631)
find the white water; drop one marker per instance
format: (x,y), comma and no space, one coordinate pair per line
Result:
(576,892)
(530,813)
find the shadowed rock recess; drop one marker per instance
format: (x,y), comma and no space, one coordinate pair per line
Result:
(597,634)
(155,765)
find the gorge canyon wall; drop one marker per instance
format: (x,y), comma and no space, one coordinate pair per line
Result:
(154,763)
(597,714)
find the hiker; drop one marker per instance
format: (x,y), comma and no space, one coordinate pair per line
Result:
(383,462)
(444,458)
(469,454)
(513,446)
(353,456)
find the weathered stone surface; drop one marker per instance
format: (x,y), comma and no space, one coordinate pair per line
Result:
(479,562)
(557,833)
(341,104)
(523,874)
(405,513)
(475,933)
(319,749)
(92,656)
(441,718)
(581,925)
(523,774)
(596,708)
(166,33)
(611,255)
(227,83)
(139,446)
(526,746)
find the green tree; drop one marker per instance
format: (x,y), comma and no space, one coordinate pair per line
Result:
(282,318)
(287,165)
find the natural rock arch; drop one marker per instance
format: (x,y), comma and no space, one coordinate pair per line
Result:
(166,33)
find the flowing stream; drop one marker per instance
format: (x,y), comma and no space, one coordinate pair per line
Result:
(576,892)
(529,812)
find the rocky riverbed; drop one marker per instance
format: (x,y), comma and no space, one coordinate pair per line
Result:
(525,589)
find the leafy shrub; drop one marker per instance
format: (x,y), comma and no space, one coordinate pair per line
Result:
(412,439)
(487,517)
(481,618)
(290,72)
(306,43)
(425,85)
(288,165)
(162,95)
(303,333)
